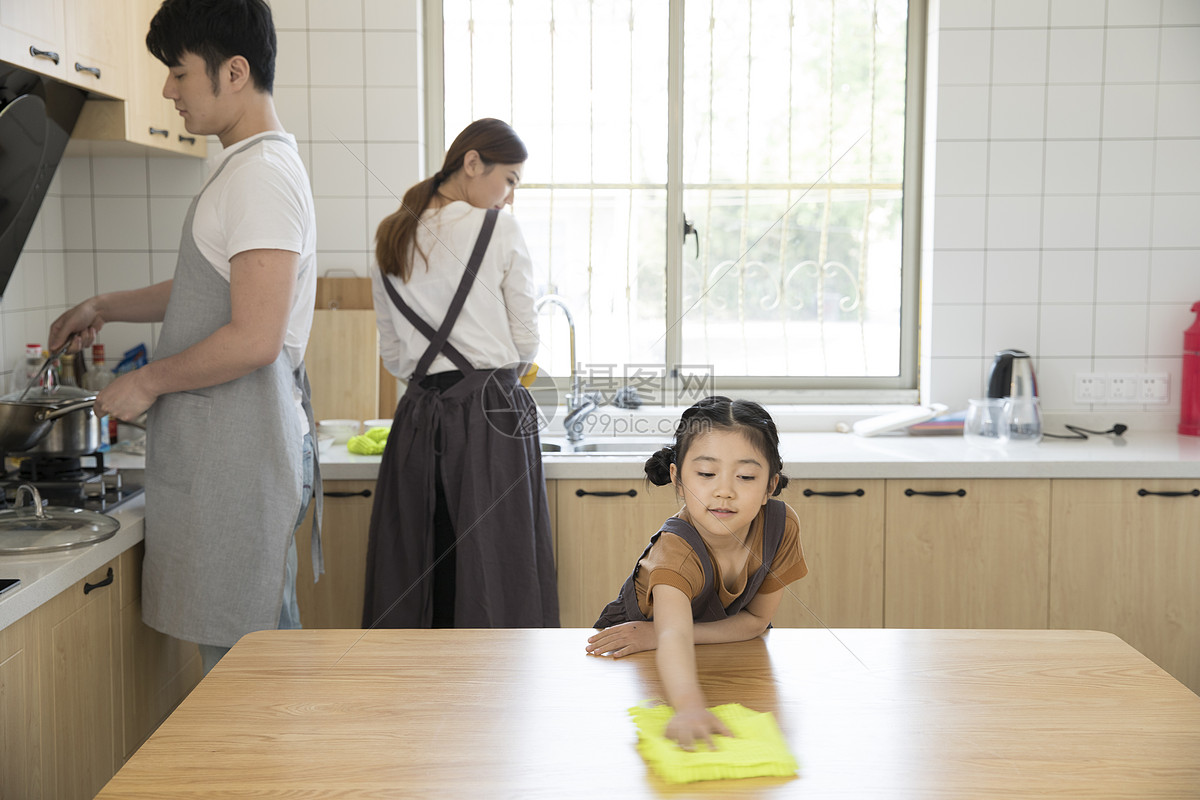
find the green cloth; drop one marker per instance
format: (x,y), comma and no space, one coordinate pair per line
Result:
(756,749)
(370,443)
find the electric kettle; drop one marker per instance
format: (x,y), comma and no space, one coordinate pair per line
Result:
(1012,376)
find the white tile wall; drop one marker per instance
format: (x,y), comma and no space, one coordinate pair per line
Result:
(1083,246)
(1061,213)
(347,85)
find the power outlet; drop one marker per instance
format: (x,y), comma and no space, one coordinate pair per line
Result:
(1155,388)
(1123,388)
(1090,387)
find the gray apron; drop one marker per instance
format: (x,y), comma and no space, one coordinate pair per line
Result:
(706,606)
(477,435)
(223,475)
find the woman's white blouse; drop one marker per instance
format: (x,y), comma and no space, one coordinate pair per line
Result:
(497,326)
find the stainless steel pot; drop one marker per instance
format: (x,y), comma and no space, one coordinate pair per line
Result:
(49,426)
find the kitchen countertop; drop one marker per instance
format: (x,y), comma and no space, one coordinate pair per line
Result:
(1151,455)
(44,575)
(841,455)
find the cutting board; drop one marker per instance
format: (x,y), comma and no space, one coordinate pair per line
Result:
(348,379)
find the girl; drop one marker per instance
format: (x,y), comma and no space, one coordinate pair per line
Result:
(715,571)
(460,530)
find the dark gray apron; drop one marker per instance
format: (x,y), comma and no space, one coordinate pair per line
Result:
(490,464)
(223,475)
(706,606)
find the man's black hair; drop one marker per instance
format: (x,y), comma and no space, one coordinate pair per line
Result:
(216,30)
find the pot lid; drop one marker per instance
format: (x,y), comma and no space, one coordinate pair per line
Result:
(23,531)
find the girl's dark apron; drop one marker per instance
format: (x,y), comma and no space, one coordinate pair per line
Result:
(223,474)
(706,606)
(479,437)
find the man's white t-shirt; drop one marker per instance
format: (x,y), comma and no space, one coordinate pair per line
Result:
(262,200)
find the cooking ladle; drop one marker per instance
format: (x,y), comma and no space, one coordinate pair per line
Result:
(42,369)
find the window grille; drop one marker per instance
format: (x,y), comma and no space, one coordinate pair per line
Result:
(716,187)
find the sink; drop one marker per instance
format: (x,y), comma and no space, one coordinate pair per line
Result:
(626,447)
(641,448)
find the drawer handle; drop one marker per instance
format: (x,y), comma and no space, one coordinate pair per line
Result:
(1146,492)
(87,587)
(81,68)
(585,493)
(855,493)
(33,51)
(363,493)
(158,131)
(188,139)
(959,493)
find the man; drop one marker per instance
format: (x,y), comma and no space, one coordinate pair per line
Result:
(229,461)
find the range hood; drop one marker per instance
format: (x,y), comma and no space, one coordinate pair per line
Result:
(36,119)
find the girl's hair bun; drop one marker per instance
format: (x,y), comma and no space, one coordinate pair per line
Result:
(783,482)
(658,466)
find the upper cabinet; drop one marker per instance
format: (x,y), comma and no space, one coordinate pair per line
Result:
(81,42)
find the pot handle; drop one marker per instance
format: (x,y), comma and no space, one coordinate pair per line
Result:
(55,413)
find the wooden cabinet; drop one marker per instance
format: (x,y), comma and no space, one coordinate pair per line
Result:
(601,529)
(81,693)
(81,42)
(145,118)
(20,717)
(841,530)
(967,554)
(159,670)
(336,601)
(1124,556)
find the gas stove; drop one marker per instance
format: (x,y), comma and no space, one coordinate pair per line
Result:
(70,482)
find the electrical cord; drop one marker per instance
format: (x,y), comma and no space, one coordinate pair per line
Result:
(1081,433)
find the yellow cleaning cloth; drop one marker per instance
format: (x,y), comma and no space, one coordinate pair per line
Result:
(370,443)
(756,749)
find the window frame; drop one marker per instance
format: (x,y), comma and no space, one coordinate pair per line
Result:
(830,390)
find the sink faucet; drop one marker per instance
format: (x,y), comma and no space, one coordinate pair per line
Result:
(579,403)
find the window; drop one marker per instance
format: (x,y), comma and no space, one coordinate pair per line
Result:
(716,187)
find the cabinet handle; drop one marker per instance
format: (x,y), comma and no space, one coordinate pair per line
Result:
(158,131)
(363,493)
(586,493)
(81,68)
(855,493)
(188,139)
(959,493)
(87,587)
(1146,492)
(33,51)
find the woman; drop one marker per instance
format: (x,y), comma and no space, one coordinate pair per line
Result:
(460,533)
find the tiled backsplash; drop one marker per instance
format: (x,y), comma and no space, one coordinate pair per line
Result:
(1061,207)
(1062,191)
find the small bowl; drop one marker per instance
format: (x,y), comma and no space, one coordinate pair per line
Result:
(340,429)
(377,423)
(324,440)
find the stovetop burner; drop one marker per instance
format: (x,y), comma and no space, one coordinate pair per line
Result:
(69,482)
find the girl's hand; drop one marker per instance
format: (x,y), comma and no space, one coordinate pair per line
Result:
(623,640)
(690,725)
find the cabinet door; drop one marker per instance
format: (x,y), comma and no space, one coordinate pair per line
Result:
(158,670)
(97,45)
(967,554)
(33,36)
(20,721)
(1124,560)
(336,601)
(601,530)
(80,648)
(841,530)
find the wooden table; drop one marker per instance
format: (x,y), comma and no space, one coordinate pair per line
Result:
(525,713)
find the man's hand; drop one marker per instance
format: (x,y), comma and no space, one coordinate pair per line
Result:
(127,397)
(623,640)
(84,320)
